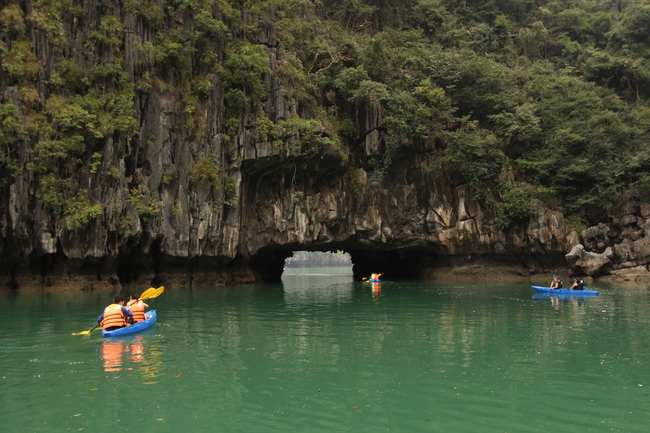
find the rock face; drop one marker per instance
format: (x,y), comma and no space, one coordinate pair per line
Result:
(586,262)
(160,224)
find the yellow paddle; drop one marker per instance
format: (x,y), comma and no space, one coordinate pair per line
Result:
(147,294)
(156,292)
(85,332)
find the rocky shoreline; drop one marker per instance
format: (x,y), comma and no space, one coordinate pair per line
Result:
(223,202)
(466,273)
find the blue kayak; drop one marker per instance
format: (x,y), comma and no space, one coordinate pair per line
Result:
(140,326)
(548,291)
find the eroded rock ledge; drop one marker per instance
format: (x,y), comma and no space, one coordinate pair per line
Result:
(409,228)
(408,223)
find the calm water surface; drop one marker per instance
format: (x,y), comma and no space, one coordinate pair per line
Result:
(326,354)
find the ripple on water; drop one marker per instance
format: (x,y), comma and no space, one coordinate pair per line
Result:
(418,357)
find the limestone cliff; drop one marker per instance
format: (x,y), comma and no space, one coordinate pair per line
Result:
(163,222)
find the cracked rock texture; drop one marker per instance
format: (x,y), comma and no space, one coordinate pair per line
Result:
(409,224)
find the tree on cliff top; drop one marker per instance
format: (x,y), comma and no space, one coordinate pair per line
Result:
(522,97)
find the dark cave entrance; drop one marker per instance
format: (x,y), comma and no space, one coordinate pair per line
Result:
(269,263)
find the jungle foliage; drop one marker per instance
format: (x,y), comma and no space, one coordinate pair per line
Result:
(526,99)
(316,259)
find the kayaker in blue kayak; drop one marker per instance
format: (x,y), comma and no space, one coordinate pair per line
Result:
(556,284)
(136,306)
(578,284)
(115,316)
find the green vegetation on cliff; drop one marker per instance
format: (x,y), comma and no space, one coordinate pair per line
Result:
(524,98)
(316,259)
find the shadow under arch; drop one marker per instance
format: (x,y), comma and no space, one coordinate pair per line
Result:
(268,264)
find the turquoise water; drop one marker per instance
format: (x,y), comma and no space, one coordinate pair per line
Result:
(326,354)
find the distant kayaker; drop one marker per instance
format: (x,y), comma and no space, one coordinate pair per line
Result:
(115,315)
(556,284)
(136,306)
(578,284)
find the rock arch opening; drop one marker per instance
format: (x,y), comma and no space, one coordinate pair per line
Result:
(328,262)
(269,262)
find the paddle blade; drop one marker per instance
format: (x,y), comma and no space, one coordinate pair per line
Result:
(147,293)
(156,292)
(86,332)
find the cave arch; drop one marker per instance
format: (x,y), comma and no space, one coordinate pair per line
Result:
(268,263)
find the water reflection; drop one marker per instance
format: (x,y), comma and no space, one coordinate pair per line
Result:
(560,301)
(376,291)
(259,359)
(557,302)
(317,289)
(113,354)
(131,353)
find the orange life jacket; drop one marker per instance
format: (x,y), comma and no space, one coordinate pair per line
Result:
(137,308)
(113,316)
